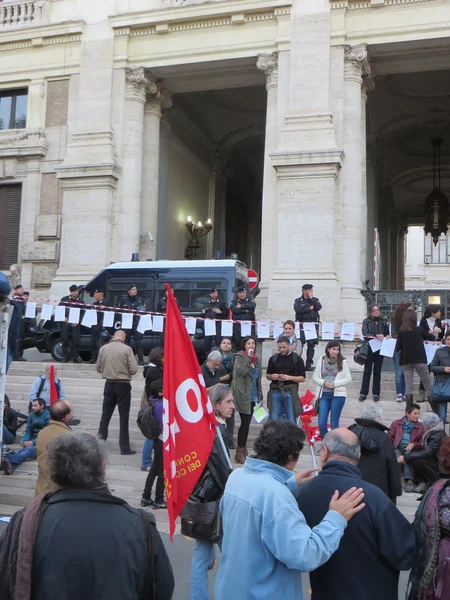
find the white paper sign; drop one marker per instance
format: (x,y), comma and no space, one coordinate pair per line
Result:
(388,347)
(227,328)
(210,327)
(108,319)
(145,323)
(246,328)
(127,320)
(430,350)
(260,413)
(30,311)
(297,330)
(74,315)
(263,329)
(60,313)
(191,324)
(375,344)
(158,323)
(310,331)
(277,329)
(90,318)
(46,312)
(328,331)
(348,332)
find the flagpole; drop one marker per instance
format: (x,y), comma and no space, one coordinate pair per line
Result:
(313,458)
(222,444)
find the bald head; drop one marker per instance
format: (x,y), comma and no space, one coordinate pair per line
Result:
(61,411)
(341,444)
(120,335)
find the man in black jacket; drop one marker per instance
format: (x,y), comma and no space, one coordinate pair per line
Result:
(99,546)
(214,309)
(132,302)
(242,309)
(307,309)
(378,542)
(70,333)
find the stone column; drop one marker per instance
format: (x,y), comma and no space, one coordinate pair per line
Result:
(402,231)
(393,260)
(268,64)
(354,215)
(139,83)
(156,104)
(164,146)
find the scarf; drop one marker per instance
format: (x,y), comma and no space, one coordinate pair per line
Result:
(253,357)
(407,426)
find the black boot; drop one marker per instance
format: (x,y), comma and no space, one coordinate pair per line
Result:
(309,359)
(140,353)
(409,401)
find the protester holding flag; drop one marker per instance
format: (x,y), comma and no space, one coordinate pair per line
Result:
(247,391)
(205,498)
(331,376)
(43,385)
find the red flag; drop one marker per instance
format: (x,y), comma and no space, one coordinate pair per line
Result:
(53,390)
(306,402)
(312,432)
(189,420)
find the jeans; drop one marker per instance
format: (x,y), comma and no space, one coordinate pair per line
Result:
(422,372)
(407,468)
(376,361)
(441,409)
(147,453)
(335,404)
(8,437)
(116,393)
(279,403)
(400,384)
(202,558)
(17,459)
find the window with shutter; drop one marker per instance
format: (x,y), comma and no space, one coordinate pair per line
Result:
(10,201)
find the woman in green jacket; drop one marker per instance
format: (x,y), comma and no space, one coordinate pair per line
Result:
(247,391)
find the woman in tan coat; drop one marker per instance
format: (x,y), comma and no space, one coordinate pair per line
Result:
(246,387)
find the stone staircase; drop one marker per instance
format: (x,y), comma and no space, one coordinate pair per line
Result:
(84,387)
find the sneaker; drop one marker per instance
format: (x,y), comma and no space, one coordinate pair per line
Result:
(146,468)
(7,467)
(161,504)
(399,398)
(146,503)
(127,452)
(74,422)
(376,398)
(362,397)
(421,488)
(409,487)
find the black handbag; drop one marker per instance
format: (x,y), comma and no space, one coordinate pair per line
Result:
(360,353)
(202,521)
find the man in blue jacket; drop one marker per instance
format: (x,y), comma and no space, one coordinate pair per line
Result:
(377,544)
(266,542)
(37,420)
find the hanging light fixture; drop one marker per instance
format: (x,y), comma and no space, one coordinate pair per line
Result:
(436,203)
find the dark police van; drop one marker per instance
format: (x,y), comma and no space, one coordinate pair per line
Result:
(190,280)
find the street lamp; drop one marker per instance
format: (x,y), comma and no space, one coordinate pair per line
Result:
(195,233)
(436,203)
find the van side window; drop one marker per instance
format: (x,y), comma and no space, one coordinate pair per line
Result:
(181,288)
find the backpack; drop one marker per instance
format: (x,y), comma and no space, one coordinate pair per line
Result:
(41,386)
(295,359)
(360,354)
(147,423)
(442,575)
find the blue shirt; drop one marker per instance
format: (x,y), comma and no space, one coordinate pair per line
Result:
(266,541)
(45,394)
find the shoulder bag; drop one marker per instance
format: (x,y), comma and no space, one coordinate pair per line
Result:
(441,390)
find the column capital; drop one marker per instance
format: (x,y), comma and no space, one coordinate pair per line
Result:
(139,83)
(268,64)
(357,64)
(158,101)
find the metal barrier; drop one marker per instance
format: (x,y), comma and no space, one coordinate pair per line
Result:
(387,300)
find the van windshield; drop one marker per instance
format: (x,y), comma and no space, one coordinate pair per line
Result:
(191,292)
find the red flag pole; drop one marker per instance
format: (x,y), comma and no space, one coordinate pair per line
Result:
(53,391)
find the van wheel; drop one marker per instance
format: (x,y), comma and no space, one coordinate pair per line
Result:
(56,350)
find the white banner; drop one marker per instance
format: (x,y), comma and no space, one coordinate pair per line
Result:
(74,315)
(348,332)
(60,313)
(145,323)
(158,323)
(30,311)
(246,328)
(310,331)
(46,312)
(227,328)
(191,324)
(328,331)
(210,327)
(277,329)
(388,347)
(263,329)
(127,320)
(90,318)
(108,319)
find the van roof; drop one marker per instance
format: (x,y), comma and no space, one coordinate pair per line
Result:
(174,264)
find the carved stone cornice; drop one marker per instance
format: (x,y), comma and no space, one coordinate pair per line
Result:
(268,64)
(29,142)
(357,65)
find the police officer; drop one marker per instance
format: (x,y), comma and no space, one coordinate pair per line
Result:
(19,301)
(70,333)
(307,309)
(132,302)
(96,330)
(215,309)
(242,309)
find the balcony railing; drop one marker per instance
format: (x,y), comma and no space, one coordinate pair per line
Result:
(17,13)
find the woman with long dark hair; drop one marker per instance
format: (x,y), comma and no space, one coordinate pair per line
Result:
(152,372)
(396,323)
(412,355)
(247,391)
(374,326)
(289,332)
(431,322)
(332,374)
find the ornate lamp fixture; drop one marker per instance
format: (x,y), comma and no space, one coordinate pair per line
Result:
(195,232)
(436,203)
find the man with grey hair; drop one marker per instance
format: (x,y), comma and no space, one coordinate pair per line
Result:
(41,387)
(99,547)
(378,462)
(378,542)
(212,370)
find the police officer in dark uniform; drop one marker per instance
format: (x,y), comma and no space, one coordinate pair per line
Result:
(70,333)
(132,302)
(19,301)
(96,330)
(215,309)
(307,309)
(242,309)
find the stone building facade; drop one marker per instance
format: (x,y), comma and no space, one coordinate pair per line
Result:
(298,127)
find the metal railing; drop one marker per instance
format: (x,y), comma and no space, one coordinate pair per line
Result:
(387,300)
